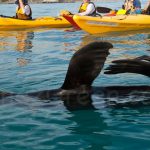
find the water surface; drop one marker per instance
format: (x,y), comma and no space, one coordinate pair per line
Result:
(33,60)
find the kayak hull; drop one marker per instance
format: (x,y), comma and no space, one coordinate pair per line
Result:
(96,25)
(47,22)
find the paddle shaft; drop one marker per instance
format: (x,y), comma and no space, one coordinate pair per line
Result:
(6,16)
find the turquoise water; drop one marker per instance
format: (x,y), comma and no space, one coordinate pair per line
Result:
(37,60)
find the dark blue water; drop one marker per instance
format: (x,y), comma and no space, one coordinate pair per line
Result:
(33,60)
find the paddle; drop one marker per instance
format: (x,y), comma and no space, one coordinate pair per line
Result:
(6,16)
(103,9)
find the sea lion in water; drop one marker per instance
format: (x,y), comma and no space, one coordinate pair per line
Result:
(84,67)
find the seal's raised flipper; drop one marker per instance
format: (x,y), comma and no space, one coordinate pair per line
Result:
(140,65)
(86,65)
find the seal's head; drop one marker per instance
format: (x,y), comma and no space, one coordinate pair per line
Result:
(24,2)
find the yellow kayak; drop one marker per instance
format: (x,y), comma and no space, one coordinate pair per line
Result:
(47,22)
(96,25)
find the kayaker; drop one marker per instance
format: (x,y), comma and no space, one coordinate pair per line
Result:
(133,6)
(147,8)
(87,8)
(23,11)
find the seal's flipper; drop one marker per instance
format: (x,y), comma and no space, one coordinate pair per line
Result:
(143,58)
(86,65)
(140,65)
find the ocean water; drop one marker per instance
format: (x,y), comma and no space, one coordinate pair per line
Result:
(34,60)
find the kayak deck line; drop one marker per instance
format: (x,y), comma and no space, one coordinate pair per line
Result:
(101,23)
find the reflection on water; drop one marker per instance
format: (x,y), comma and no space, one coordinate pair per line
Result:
(131,41)
(22,61)
(132,37)
(24,40)
(6,40)
(91,127)
(20,41)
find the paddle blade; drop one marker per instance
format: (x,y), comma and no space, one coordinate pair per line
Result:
(86,64)
(103,9)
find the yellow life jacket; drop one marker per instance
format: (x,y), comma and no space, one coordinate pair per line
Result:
(121,12)
(83,7)
(20,14)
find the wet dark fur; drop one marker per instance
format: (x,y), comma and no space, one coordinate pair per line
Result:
(140,65)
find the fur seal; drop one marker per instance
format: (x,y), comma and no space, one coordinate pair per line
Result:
(85,65)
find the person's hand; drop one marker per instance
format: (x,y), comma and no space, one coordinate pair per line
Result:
(65,12)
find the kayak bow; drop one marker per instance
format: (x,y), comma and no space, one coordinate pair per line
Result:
(69,18)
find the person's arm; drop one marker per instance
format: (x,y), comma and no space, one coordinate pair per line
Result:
(90,9)
(27,10)
(22,6)
(16,13)
(128,5)
(147,5)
